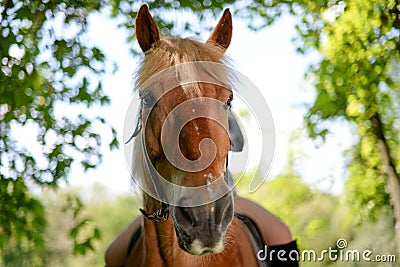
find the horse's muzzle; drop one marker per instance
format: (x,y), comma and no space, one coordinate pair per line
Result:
(201,230)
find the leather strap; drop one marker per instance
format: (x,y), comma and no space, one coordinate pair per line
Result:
(254,235)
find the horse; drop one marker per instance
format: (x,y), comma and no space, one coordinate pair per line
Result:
(214,230)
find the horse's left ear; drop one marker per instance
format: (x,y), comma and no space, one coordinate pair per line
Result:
(146,29)
(222,33)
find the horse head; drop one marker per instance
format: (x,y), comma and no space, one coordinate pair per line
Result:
(185,130)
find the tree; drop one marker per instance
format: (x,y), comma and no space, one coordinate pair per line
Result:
(44,66)
(50,75)
(360,45)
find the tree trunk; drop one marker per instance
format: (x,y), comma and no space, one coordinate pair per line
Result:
(393,178)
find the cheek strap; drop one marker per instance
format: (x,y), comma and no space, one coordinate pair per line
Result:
(138,123)
(235,134)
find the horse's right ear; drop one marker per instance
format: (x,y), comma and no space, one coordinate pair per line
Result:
(146,29)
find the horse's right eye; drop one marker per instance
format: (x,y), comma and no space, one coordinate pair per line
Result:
(149,100)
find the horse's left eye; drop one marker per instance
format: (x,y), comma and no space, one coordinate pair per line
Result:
(229,101)
(227,105)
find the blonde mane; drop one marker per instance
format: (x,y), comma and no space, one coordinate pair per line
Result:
(173,51)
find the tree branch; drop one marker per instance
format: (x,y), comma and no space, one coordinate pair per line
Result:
(389,169)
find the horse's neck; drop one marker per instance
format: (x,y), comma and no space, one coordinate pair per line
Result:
(162,247)
(160,240)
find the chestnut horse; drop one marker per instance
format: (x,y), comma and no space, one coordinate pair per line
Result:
(210,234)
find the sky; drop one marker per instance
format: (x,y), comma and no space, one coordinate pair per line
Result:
(269,60)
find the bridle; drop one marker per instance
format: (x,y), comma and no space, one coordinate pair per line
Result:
(162,212)
(236,145)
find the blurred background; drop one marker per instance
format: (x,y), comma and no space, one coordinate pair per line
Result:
(329,71)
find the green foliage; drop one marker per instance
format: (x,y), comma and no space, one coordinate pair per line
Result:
(16,253)
(108,215)
(49,75)
(359,43)
(197,16)
(27,222)
(366,187)
(353,78)
(83,233)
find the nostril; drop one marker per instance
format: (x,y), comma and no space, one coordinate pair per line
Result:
(224,210)
(187,215)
